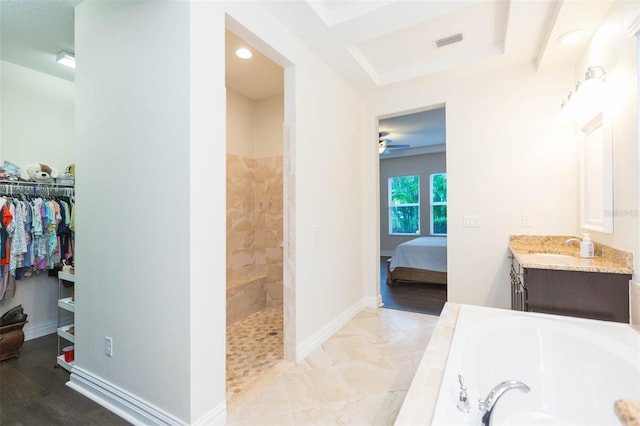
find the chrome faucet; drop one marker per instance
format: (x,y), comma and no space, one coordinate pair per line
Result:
(570,240)
(463,399)
(486,405)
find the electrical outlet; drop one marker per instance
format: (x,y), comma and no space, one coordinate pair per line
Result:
(108,346)
(526,221)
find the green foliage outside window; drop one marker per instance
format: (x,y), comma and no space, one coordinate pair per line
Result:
(439,220)
(404,205)
(439,204)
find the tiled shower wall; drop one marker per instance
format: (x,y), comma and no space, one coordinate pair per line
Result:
(254,223)
(268,226)
(240,219)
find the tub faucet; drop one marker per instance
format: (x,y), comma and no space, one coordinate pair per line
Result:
(463,399)
(486,405)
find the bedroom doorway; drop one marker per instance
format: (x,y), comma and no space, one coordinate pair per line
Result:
(413,209)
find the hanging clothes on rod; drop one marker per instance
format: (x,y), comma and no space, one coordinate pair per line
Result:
(36,232)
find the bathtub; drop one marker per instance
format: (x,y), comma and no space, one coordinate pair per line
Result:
(576,368)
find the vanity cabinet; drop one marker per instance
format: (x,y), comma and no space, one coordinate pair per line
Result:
(594,295)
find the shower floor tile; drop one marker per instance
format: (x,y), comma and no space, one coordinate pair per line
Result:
(254,345)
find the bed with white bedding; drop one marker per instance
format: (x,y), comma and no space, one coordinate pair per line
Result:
(422,259)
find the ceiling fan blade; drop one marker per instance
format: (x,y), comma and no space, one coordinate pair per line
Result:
(398,146)
(382,134)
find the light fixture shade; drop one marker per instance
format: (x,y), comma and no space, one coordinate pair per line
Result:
(567,111)
(588,99)
(67,59)
(591,91)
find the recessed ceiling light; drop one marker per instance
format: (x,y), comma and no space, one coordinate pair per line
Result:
(244,53)
(67,59)
(571,37)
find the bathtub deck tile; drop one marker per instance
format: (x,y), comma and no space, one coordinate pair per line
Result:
(419,405)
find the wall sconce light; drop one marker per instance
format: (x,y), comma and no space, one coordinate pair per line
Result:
(588,97)
(67,59)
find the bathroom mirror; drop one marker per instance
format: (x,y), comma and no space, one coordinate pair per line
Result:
(596,169)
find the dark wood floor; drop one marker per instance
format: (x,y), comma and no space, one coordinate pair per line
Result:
(33,392)
(414,297)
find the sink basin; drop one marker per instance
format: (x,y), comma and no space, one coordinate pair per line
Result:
(553,256)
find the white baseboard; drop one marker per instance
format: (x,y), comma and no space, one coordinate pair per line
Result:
(379,302)
(322,335)
(372,301)
(44,328)
(386,252)
(215,417)
(130,407)
(33,331)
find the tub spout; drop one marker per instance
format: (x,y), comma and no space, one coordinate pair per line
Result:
(486,405)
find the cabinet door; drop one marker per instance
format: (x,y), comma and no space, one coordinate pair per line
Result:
(592,295)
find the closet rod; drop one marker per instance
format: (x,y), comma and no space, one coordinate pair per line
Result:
(35,189)
(36,184)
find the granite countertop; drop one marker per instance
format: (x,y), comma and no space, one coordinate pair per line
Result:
(628,412)
(527,250)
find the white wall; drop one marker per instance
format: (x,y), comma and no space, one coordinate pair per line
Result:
(133,267)
(268,126)
(240,110)
(506,157)
(38,296)
(36,126)
(254,127)
(156,274)
(207,214)
(614,48)
(37,118)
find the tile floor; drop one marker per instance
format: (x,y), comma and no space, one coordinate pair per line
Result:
(254,345)
(360,376)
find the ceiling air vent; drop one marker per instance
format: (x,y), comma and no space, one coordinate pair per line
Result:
(449,40)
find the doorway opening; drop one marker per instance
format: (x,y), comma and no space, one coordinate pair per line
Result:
(413,210)
(257,231)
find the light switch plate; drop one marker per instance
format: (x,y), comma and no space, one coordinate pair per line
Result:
(471,221)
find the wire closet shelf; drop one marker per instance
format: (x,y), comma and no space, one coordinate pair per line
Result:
(35,189)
